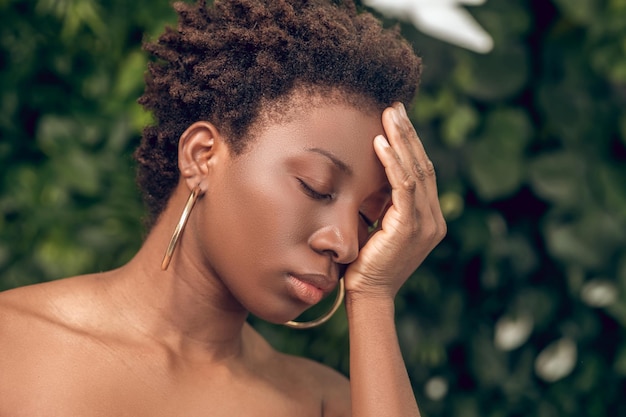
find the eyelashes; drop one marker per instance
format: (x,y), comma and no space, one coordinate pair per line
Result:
(372,225)
(312,193)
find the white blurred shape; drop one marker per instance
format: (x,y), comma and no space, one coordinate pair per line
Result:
(599,293)
(511,333)
(557,360)
(436,388)
(443,19)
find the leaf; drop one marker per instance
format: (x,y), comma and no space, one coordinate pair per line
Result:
(495,76)
(589,240)
(581,11)
(496,161)
(458,125)
(558,177)
(130,77)
(557,360)
(78,171)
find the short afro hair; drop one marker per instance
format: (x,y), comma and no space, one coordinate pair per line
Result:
(225,60)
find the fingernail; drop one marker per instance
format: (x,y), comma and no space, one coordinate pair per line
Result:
(382,141)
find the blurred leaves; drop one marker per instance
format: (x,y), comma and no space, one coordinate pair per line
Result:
(495,160)
(532,137)
(68,124)
(520,311)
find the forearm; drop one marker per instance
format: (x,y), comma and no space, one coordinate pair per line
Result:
(380,385)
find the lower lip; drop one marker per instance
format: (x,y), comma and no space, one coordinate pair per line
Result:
(303,291)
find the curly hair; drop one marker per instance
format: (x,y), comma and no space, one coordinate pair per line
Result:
(223,62)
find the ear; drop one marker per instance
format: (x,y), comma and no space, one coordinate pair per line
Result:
(199,148)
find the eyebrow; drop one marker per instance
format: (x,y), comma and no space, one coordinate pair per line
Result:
(336,161)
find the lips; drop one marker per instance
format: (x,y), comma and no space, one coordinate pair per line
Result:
(310,288)
(320,281)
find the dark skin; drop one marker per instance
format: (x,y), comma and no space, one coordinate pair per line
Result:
(272,231)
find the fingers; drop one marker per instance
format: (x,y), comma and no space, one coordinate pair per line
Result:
(409,149)
(399,178)
(409,169)
(406,143)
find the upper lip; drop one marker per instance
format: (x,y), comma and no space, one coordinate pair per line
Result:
(321,281)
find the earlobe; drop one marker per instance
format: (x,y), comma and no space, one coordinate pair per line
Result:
(197,151)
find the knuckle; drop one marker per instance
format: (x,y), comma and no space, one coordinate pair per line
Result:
(408,183)
(418,171)
(431,232)
(443,230)
(430,167)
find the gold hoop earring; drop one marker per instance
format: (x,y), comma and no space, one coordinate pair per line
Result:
(341,291)
(193,197)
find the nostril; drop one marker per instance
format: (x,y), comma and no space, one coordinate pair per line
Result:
(333,255)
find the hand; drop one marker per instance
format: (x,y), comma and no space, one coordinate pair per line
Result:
(413,223)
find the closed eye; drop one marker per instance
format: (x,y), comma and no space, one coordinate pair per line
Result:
(313,193)
(372,225)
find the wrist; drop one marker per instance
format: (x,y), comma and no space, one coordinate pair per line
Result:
(364,288)
(368,303)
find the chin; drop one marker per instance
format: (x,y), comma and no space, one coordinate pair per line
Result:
(276,317)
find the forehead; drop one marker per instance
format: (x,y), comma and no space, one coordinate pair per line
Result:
(309,121)
(333,127)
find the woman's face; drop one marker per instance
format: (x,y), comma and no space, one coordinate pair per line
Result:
(279,223)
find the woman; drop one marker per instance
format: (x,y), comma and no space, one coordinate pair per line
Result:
(279,143)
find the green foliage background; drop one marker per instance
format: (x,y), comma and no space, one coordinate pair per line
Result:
(520,311)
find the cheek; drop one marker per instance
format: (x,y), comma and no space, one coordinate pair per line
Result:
(259,216)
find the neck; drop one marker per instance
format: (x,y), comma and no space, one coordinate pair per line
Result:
(186,307)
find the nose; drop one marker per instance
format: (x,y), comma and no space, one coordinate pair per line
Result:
(339,239)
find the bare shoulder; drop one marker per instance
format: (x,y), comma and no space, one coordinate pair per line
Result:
(20,306)
(36,324)
(45,302)
(333,386)
(324,382)
(19,317)
(29,315)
